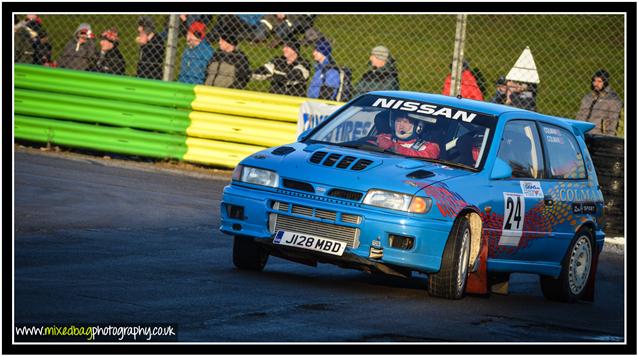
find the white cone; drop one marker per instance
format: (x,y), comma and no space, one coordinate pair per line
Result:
(524,70)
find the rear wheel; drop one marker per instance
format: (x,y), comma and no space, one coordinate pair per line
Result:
(249,255)
(575,273)
(450,281)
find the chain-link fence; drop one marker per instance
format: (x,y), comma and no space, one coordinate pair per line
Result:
(416,53)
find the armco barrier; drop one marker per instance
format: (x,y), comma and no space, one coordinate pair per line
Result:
(196,123)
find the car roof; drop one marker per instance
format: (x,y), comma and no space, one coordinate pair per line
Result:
(481,107)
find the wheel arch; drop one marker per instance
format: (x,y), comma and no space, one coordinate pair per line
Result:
(473,215)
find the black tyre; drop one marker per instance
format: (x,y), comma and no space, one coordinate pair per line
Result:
(605,145)
(451,279)
(610,166)
(249,255)
(576,270)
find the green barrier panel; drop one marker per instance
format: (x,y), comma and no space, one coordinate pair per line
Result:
(108,139)
(86,109)
(87,88)
(103,78)
(130,141)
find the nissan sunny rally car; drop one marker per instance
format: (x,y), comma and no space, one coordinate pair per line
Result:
(395,182)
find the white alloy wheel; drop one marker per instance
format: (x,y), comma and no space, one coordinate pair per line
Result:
(463,261)
(580,264)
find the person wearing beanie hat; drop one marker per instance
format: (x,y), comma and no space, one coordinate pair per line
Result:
(601,106)
(382,76)
(229,67)
(326,81)
(151,56)
(109,59)
(196,55)
(288,74)
(80,51)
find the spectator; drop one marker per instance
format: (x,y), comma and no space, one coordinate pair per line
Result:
(288,73)
(501,91)
(469,84)
(521,95)
(32,45)
(109,59)
(285,27)
(79,52)
(196,56)
(229,67)
(405,141)
(244,27)
(187,20)
(522,83)
(382,76)
(325,82)
(601,106)
(151,59)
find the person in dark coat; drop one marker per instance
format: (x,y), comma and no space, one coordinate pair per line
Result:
(79,52)
(35,48)
(601,106)
(288,74)
(151,60)
(109,59)
(382,76)
(229,67)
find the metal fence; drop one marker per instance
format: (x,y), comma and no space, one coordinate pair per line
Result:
(564,49)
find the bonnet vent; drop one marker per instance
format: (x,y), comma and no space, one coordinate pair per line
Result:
(318,156)
(282,151)
(361,164)
(420,174)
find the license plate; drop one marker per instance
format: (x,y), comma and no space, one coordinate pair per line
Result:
(308,242)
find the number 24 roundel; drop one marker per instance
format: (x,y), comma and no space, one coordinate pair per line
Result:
(513,219)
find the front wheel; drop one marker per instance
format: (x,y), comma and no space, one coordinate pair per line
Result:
(249,255)
(575,273)
(450,281)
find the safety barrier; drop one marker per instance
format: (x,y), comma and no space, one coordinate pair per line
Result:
(196,123)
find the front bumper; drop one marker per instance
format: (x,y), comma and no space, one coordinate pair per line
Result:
(375,225)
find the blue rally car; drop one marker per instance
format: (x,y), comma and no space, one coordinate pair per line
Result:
(395,182)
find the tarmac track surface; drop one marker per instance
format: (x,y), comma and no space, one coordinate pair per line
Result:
(104,242)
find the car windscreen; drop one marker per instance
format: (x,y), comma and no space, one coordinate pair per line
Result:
(412,129)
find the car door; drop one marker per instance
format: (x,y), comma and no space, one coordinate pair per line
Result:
(519,200)
(569,196)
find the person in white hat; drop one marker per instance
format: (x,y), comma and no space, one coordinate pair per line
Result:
(522,82)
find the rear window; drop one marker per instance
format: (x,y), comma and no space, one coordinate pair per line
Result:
(563,153)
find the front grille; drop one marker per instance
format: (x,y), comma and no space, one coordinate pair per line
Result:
(281,206)
(301,210)
(352,219)
(349,235)
(324,214)
(345,194)
(297,185)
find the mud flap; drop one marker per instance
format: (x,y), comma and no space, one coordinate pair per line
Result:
(477,282)
(591,284)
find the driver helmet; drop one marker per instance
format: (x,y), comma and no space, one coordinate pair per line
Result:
(405,132)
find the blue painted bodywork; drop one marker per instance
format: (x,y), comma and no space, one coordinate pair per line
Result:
(547,232)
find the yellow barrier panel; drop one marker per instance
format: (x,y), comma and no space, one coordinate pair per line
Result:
(208,91)
(246,108)
(218,153)
(239,129)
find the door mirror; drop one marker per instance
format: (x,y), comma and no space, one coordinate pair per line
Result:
(501,170)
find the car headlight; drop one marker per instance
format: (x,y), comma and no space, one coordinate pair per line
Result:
(257,176)
(398,201)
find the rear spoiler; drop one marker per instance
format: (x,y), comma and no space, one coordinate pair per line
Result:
(582,126)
